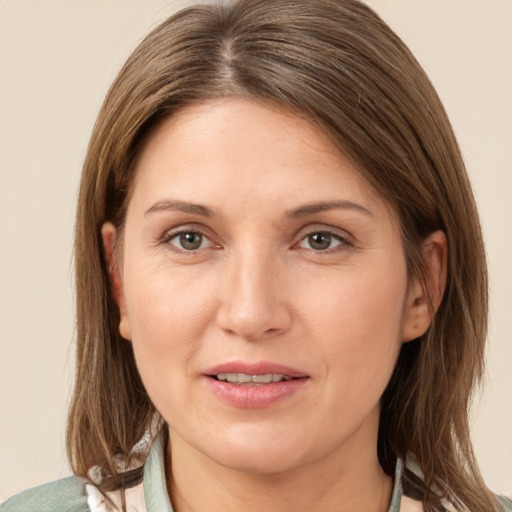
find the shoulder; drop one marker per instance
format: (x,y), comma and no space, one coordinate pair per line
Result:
(506,503)
(64,495)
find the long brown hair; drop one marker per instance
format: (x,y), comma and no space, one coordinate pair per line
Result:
(338,64)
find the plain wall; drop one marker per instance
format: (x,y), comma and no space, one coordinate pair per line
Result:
(57,59)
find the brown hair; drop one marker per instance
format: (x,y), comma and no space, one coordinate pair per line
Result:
(339,65)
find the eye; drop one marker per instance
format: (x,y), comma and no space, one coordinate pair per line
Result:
(188,241)
(321,241)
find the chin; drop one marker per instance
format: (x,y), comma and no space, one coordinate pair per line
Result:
(259,452)
(259,460)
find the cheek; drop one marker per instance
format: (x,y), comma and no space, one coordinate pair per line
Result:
(356,303)
(358,323)
(168,313)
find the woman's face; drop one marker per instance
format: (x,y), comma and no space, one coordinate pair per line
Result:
(263,284)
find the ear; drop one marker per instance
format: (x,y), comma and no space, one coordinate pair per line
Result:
(108,235)
(425,296)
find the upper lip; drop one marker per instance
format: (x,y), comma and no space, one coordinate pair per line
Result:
(259,368)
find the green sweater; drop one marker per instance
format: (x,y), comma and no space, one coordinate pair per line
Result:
(71,495)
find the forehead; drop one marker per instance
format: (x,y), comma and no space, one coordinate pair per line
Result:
(246,150)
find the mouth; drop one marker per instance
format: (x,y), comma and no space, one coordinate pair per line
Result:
(243,379)
(238,372)
(255,386)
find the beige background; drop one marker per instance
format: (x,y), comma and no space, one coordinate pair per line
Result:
(57,59)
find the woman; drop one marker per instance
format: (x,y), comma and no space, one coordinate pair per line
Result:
(280,274)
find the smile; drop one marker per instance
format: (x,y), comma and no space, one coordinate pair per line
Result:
(260,385)
(243,378)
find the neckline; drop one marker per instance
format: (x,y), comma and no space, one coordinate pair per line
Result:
(155,485)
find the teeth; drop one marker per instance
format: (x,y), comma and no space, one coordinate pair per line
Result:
(262,379)
(242,378)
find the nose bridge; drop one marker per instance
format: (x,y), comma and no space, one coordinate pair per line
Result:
(253,302)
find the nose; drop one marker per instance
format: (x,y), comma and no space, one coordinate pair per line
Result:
(253,297)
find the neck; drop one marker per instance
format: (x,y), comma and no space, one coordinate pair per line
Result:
(348,479)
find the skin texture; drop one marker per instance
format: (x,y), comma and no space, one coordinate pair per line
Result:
(257,287)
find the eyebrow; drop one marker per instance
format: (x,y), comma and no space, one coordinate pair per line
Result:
(182,206)
(301,211)
(309,209)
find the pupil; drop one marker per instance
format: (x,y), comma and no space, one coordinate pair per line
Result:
(320,241)
(191,241)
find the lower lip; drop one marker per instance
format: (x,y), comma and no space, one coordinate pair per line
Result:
(259,396)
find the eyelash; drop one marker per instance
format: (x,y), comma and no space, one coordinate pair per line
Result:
(343,243)
(168,237)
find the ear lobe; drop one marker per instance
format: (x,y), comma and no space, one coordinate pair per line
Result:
(425,295)
(108,235)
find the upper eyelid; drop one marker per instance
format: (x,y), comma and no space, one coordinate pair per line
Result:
(186,228)
(323,228)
